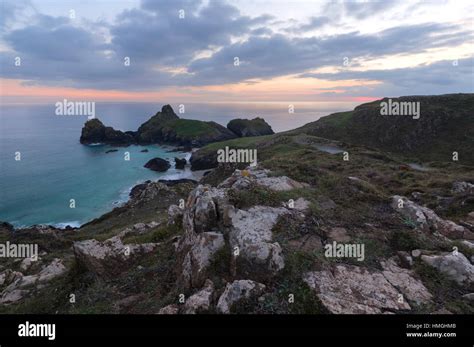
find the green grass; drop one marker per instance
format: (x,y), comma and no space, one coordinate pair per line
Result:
(190,127)
(446,292)
(158,234)
(339,119)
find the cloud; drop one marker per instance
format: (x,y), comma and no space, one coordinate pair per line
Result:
(153,37)
(266,57)
(157,33)
(200,49)
(313,23)
(446,76)
(359,9)
(10,11)
(446,72)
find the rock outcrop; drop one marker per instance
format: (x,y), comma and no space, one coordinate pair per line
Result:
(250,127)
(203,160)
(200,301)
(180,163)
(404,280)
(427,220)
(462,188)
(208,216)
(454,265)
(251,176)
(251,238)
(349,289)
(237,291)
(193,270)
(170,309)
(110,257)
(18,285)
(158,164)
(95,132)
(175,215)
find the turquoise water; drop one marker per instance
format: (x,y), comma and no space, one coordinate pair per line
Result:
(55,168)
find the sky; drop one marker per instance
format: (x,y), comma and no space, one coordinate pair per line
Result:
(234,51)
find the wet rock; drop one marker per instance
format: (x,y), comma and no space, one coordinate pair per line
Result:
(180,163)
(158,164)
(236,291)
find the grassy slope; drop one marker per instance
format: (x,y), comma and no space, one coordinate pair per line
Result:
(446,125)
(190,128)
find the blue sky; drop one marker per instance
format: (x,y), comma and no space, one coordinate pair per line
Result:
(285,50)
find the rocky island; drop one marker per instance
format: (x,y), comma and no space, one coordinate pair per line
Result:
(165,127)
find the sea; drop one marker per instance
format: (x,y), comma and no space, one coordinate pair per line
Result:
(48,177)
